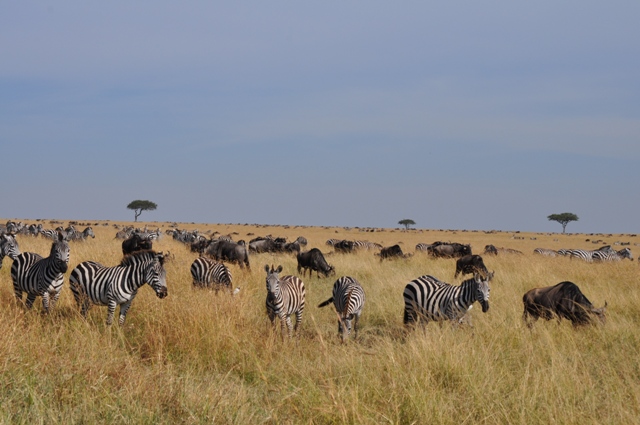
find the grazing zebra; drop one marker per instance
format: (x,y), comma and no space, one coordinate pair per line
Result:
(366,245)
(423,247)
(546,252)
(333,242)
(427,298)
(80,236)
(612,255)
(285,296)
(91,282)
(39,276)
(348,299)
(207,273)
(8,247)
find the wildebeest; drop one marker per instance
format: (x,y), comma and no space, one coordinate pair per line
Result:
(470,264)
(564,301)
(449,250)
(222,250)
(490,250)
(344,246)
(135,243)
(391,252)
(314,261)
(262,244)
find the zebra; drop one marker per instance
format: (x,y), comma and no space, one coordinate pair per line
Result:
(348,299)
(91,282)
(52,233)
(39,276)
(285,296)
(333,242)
(582,254)
(366,245)
(207,273)
(423,247)
(8,247)
(546,252)
(81,236)
(427,298)
(612,255)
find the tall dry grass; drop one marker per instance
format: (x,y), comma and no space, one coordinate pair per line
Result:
(195,357)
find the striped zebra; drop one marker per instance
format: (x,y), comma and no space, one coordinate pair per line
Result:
(423,247)
(546,252)
(75,235)
(581,254)
(348,299)
(8,247)
(52,233)
(93,283)
(39,276)
(333,242)
(366,245)
(612,255)
(207,273)
(285,296)
(427,298)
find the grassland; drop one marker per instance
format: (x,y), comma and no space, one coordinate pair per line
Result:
(195,357)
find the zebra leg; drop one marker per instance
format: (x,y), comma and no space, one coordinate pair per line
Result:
(298,322)
(111,309)
(123,312)
(54,299)
(31,298)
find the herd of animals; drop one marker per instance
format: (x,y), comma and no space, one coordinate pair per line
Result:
(426,298)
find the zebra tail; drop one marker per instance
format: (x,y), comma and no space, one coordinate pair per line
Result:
(325,303)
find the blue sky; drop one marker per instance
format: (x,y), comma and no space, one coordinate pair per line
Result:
(458,115)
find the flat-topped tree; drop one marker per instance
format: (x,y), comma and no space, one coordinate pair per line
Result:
(406,223)
(138,206)
(564,219)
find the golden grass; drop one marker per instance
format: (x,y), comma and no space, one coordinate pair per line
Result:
(195,357)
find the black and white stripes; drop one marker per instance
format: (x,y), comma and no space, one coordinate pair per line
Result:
(348,299)
(8,247)
(427,298)
(285,296)
(93,283)
(39,276)
(207,273)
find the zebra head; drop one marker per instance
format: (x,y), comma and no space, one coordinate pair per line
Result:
(8,246)
(156,275)
(482,290)
(89,232)
(60,252)
(625,253)
(273,281)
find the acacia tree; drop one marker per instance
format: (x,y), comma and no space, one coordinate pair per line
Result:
(138,206)
(563,219)
(406,223)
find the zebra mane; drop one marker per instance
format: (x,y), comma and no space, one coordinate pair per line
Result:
(136,257)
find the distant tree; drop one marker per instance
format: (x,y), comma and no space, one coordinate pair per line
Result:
(406,223)
(138,206)
(563,219)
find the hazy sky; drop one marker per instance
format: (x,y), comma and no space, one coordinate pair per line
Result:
(457,115)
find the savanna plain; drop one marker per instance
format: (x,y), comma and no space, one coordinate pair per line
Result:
(197,357)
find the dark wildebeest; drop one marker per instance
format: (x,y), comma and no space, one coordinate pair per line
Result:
(222,250)
(490,250)
(449,250)
(391,252)
(344,246)
(261,244)
(564,301)
(314,260)
(135,243)
(292,247)
(470,264)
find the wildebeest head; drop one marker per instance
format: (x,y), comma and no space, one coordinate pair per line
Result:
(601,313)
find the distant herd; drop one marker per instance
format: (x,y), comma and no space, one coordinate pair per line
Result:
(426,298)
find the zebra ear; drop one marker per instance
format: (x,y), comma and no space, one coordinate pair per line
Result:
(266,268)
(279,269)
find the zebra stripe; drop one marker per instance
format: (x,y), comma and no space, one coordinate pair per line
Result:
(8,247)
(423,247)
(333,242)
(612,255)
(210,274)
(366,245)
(581,254)
(348,299)
(91,282)
(427,298)
(285,296)
(546,252)
(39,276)
(75,235)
